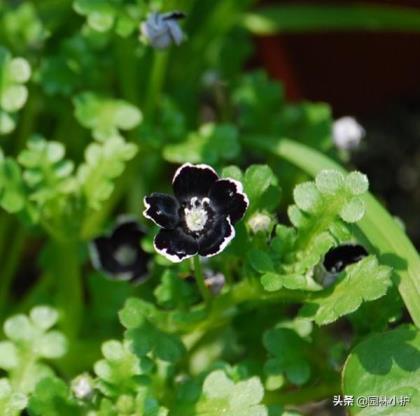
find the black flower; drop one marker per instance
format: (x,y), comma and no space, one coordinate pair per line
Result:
(199,218)
(119,254)
(338,258)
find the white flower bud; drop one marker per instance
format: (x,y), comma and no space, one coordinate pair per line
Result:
(82,387)
(214,281)
(161,30)
(259,222)
(347,133)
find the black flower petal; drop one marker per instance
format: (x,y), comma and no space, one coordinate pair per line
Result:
(119,254)
(338,258)
(216,238)
(175,245)
(228,197)
(162,209)
(193,180)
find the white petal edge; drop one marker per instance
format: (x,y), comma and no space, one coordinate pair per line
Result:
(225,241)
(239,189)
(171,257)
(199,166)
(94,257)
(146,214)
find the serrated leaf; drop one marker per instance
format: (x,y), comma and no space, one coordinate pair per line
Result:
(221,396)
(361,282)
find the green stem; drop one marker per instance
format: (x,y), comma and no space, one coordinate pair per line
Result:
(11,262)
(66,269)
(156,81)
(199,277)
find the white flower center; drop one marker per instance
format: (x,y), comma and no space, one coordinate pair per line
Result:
(196,214)
(126,255)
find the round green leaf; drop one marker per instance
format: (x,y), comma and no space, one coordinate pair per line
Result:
(44,317)
(7,123)
(357,183)
(51,345)
(307,197)
(8,355)
(353,211)
(14,97)
(386,364)
(19,328)
(19,70)
(329,181)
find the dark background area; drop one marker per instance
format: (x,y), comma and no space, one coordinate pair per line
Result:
(375,77)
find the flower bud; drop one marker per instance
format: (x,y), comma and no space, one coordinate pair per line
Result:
(347,133)
(82,386)
(161,30)
(259,222)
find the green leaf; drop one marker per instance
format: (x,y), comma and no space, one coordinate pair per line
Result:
(14,72)
(232,172)
(12,194)
(118,369)
(105,116)
(103,15)
(211,144)
(361,282)
(144,337)
(103,163)
(221,396)
(52,397)
(11,403)
(9,357)
(260,261)
(257,180)
(174,291)
(385,364)
(44,317)
(307,197)
(288,350)
(298,18)
(353,210)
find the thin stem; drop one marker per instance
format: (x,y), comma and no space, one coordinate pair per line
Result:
(157,78)
(199,277)
(66,269)
(11,263)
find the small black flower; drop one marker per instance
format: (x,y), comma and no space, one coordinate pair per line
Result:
(199,218)
(338,258)
(119,254)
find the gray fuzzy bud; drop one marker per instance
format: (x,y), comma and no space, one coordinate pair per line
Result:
(161,30)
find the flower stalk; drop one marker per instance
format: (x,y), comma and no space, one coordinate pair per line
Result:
(199,277)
